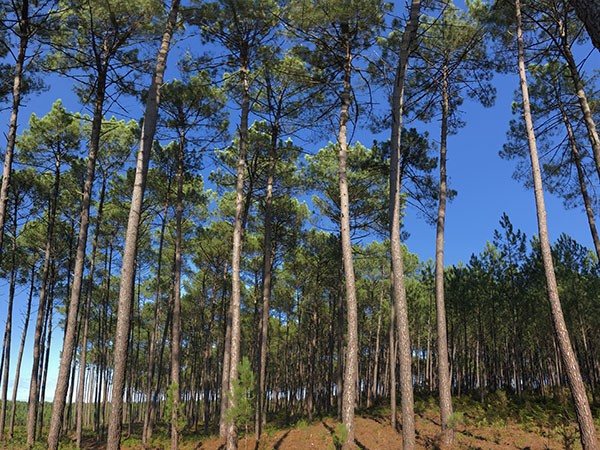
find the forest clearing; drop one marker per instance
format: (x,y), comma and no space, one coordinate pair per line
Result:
(225,222)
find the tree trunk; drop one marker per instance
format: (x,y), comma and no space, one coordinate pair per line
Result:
(397,265)
(261,416)
(135,212)
(350,371)
(150,402)
(24,33)
(580,400)
(13,408)
(46,359)
(581,178)
(445,399)
(238,231)
(584,105)
(589,13)
(9,314)
(34,387)
(392,369)
(86,318)
(62,383)
(176,328)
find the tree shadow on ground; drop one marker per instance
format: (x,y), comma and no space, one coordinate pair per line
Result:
(277,444)
(336,443)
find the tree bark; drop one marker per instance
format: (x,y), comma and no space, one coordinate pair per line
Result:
(238,231)
(86,317)
(135,212)
(587,202)
(62,383)
(575,381)
(150,401)
(261,415)
(34,387)
(176,328)
(13,409)
(445,397)
(584,105)
(397,265)
(24,33)
(9,319)
(589,13)
(350,370)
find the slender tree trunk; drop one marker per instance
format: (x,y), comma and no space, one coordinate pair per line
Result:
(225,375)
(13,409)
(580,400)
(350,372)
(46,359)
(445,399)
(374,392)
(34,387)
(176,328)
(24,34)
(266,288)
(130,253)
(584,105)
(69,342)
(238,231)
(86,318)
(589,211)
(392,369)
(150,402)
(9,319)
(589,13)
(397,265)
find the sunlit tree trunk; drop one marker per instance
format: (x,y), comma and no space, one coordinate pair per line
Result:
(13,408)
(130,252)
(176,328)
(261,416)
(9,318)
(62,383)
(445,398)
(580,400)
(24,33)
(150,395)
(351,364)
(397,265)
(587,202)
(238,231)
(34,386)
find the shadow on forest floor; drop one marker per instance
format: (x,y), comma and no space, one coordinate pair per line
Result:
(338,444)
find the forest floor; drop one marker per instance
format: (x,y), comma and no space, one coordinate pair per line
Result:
(376,433)
(498,423)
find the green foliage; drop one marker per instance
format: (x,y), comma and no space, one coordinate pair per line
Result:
(242,411)
(457,419)
(340,435)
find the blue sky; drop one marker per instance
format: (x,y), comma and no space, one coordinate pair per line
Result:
(486,188)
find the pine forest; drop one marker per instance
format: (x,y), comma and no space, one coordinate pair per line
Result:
(213,216)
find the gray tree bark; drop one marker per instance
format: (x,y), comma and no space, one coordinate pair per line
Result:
(589,13)
(351,364)
(445,397)
(238,232)
(397,265)
(568,357)
(62,383)
(135,213)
